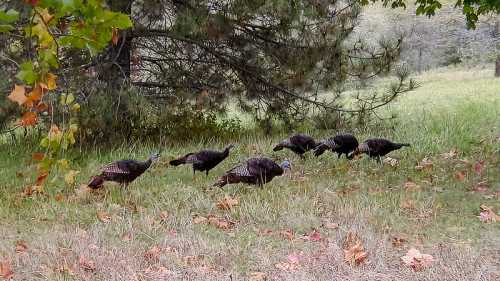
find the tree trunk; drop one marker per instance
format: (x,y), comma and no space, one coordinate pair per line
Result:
(117,72)
(497,67)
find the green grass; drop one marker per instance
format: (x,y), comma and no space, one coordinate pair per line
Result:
(454,109)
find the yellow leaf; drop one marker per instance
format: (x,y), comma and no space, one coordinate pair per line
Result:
(227,203)
(51,81)
(46,16)
(17,95)
(69,178)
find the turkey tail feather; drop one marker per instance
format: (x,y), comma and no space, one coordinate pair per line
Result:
(221,182)
(177,162)
(320,150)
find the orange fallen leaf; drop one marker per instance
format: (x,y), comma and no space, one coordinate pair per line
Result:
(411,186)
(41,107)
(6,270)
(354,252)
(29,119)
(38,156)
(59,197)
(417,260)
(314,235)
(227,203)
(17,95)
(42,176)
(103,216)
(287,234)
(460,176)
(153,254)
(163,216)
(220,222)
(21,246)
(86,264)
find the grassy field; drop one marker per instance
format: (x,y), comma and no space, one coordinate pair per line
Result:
(147,232)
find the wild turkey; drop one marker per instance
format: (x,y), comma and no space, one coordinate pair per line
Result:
(341,144)
(299,144)
(256,171)
(377,148)
(123,171)
(204,160)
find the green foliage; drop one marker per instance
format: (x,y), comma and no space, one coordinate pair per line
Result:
(472,9)
(134,117)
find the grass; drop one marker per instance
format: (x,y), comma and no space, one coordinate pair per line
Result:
(454,109)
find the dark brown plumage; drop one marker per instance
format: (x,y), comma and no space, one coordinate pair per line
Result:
(299,144)
(123,171)
(377,147)
(256,171)
(204,160)
(341,144)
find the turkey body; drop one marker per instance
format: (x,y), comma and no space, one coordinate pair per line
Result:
(377,147)
(123,172)
(341,144)
(257,171)
(204,160)
(299,144)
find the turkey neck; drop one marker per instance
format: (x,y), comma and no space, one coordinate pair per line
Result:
(226,152)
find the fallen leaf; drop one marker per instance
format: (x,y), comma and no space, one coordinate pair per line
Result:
(69,177)
(257,276)
(59,197)
(227,203)
(331,225)
(41,178)
(417,260)
(482,186)
(287,234)
(487,214)
(163,216)
(190,260)
(17,95)
(5,270)
(411,186)
(460,176)
(292,263)
(314,235)
(86,264)
(391,161)
(103,216)
(354,252)
(152,254)
(29,119)
(21,246)
(398,240)
(451,154)
(424,164)
(199,219)
(407,204)
(479,167)
(220,222)
(38,156)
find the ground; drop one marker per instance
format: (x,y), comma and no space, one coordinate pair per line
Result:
(295,227)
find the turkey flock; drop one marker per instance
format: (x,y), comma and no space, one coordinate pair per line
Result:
(257,171)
